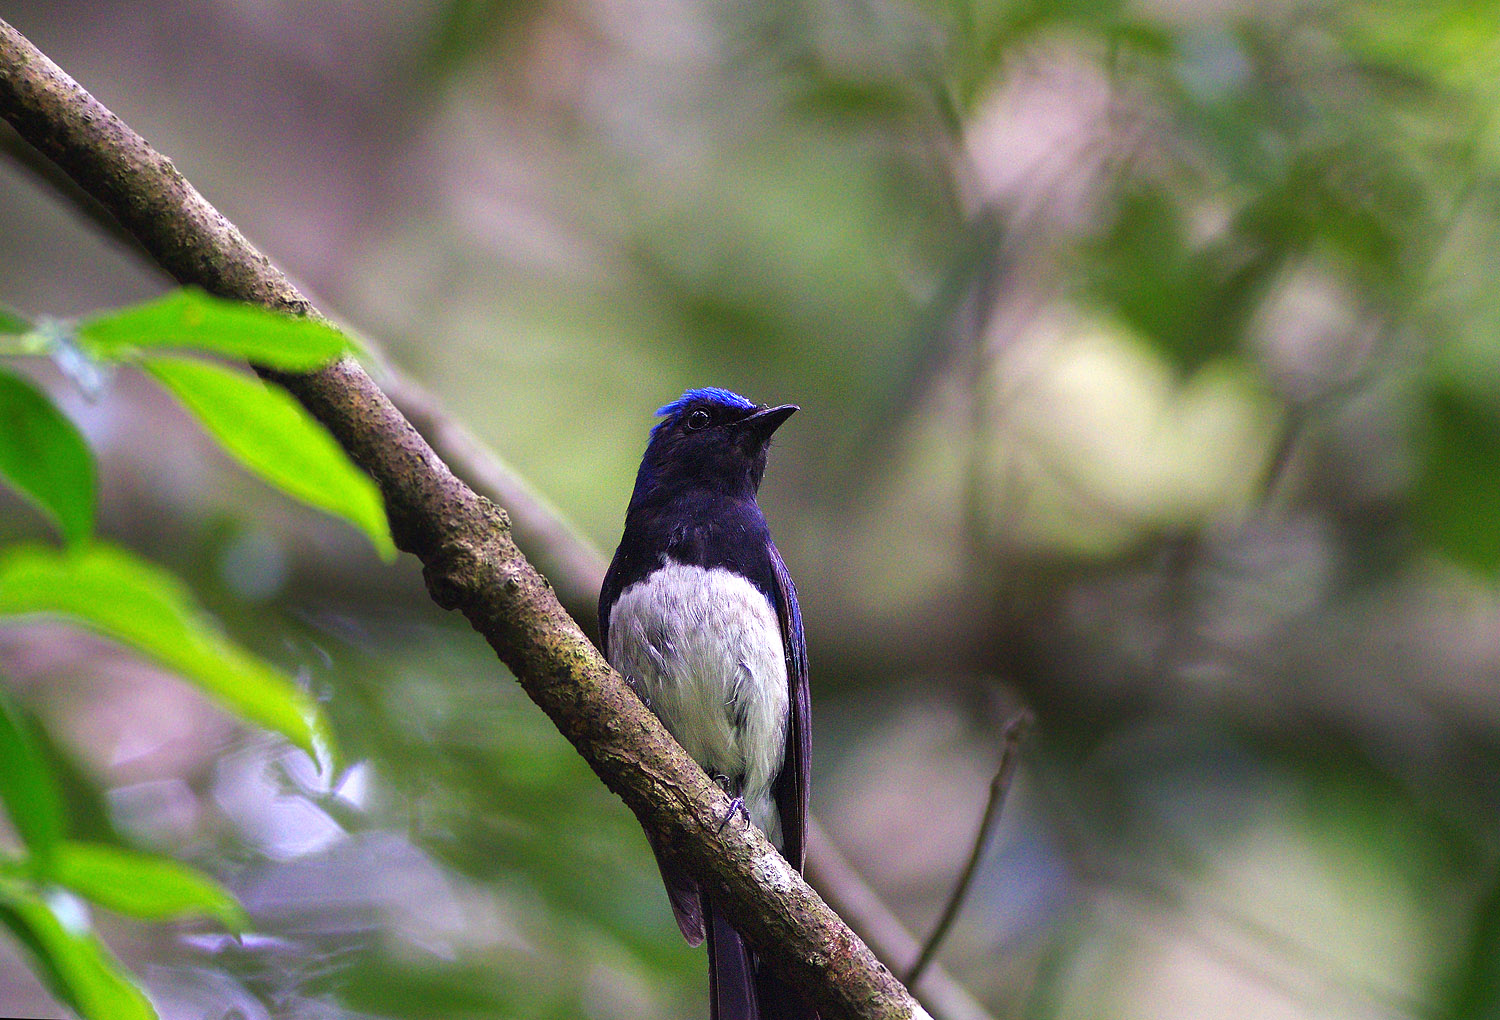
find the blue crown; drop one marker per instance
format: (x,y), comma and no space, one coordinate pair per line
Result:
(712,394)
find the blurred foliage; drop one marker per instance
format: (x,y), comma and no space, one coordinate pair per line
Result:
(46,459)
(112,592)
(36,887)
(109,591)
(1149,359)
(12,323)
(75,965)
(1457,494)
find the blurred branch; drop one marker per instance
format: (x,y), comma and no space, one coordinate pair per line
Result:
(470,560)
(1010,738)
(573,564)
(567,559)
(43,169)
(867,913)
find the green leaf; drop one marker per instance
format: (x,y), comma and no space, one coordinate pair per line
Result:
(45,458)
(71,960)
(12,321)
(32,801)
(189,318)
(142,885)
(264,428)
(114,593)
(1457,495)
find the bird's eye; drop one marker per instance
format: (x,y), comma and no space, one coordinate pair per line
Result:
(697,420)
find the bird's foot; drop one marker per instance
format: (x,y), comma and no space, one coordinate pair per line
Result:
(736,807)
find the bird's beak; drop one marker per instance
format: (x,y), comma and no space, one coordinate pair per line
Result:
(767,420)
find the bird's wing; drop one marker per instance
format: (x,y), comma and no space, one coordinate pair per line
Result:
(792,784)
(608,592)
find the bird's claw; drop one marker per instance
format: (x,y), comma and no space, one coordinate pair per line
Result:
(736,807)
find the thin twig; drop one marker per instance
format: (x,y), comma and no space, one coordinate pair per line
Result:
(846,891)
(1010,739)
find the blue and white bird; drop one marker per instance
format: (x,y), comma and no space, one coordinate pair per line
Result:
(700,616)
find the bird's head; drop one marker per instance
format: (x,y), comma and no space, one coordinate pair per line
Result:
(710,438)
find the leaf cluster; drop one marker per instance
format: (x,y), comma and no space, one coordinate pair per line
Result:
(92,584)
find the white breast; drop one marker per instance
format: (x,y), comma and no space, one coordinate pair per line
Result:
(704,649)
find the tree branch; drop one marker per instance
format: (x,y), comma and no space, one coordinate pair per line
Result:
(470,560)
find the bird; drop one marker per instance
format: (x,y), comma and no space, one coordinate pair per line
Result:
(698,613)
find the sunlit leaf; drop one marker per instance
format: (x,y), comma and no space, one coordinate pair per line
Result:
(71,960)
(112,592)
(12,321)
(26,786)
(1457,494)
(189,318)
(142,885)
(264,428)
(43,456)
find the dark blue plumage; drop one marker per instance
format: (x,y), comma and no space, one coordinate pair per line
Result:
(699,614)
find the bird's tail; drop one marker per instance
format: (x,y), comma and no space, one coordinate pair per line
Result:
(780,1001)
(739,988)
(731,982)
